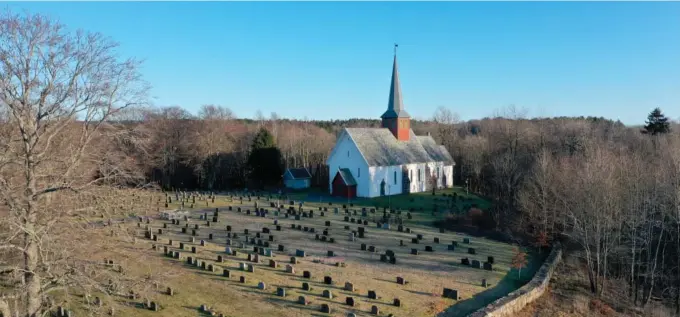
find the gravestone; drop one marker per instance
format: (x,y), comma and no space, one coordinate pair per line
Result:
(472,251)
(450,293)
(261,286)
(466,240)
(451,247)
(375,310)
(484,283)
(302,300)
(330,253)
(372,295)
(490,259)
(281,292)
(363,247)
(290,269)
(293,260)
(400,280)
(414,251)
(349,301)
(307,274)
(414,240)
(465,261)
(429,248)
(396,302)
(488,266)
(306,287)
(273,264)
(475,264)
(242,279)
(300,253)
(436,240)
(327,294)
(327,280)
(325,308)
(226,273)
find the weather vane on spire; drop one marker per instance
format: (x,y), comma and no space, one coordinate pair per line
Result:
(395,48)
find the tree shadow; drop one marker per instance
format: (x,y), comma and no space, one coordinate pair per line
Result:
(508,284)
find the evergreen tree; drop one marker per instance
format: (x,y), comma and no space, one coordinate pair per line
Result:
(264,160)
(656,123)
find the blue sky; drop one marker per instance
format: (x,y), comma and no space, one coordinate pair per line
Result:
(325,60)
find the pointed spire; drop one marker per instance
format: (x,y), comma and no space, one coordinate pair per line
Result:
(395,105)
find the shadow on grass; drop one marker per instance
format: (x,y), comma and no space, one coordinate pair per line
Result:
(508,284)
(198,310)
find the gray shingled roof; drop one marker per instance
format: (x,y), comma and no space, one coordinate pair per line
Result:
(438,153)
(381,148)
(395,105)
(347,177)
(299,173)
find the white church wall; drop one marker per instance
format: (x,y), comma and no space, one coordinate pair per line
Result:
(449,175)
(417,182)
(345,154)
(387,173)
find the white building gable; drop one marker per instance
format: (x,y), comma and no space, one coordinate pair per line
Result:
(390,160)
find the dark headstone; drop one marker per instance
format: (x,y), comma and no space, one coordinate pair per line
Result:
(450,293)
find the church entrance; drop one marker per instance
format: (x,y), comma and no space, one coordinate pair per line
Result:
(406,181)
(382,188)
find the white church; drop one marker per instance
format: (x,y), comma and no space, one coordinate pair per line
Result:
(392,160)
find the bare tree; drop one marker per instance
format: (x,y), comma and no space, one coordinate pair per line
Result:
(58,90)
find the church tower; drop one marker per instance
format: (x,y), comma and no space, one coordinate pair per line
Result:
(395,118)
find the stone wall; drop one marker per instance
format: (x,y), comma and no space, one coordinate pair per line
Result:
(514,302)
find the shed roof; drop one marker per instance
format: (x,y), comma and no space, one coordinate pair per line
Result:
(347,176)
(299,173)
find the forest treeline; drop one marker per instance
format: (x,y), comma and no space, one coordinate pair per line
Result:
(611,190)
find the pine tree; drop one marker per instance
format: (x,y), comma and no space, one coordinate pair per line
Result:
(264,160)
(656,123)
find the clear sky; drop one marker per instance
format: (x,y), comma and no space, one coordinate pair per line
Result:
(326,60)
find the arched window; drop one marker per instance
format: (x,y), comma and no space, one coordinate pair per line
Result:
(395,177)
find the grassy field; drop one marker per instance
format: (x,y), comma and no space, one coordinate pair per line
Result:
(427,273)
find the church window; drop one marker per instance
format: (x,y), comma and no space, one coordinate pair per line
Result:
(418,174)
(438,175)
(358,172)
(395,177)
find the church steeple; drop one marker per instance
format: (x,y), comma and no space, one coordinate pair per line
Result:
(396,118)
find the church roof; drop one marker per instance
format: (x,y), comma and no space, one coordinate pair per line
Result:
(395,105)
(438,153)
(380,148)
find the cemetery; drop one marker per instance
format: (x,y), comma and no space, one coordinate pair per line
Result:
(251,255)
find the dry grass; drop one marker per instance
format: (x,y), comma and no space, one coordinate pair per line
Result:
(427,273)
